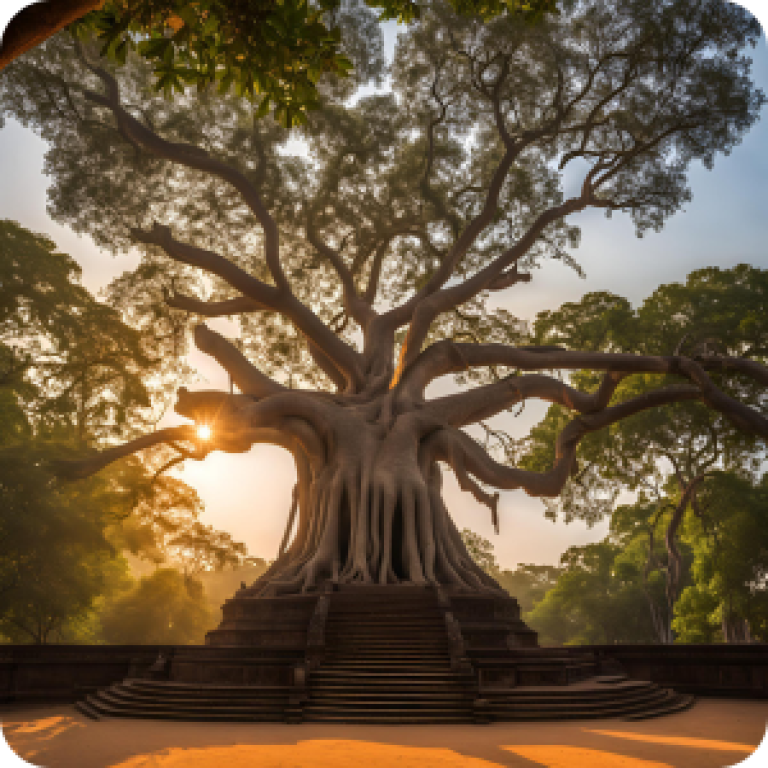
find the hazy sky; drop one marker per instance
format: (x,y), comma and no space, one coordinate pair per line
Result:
(248,495)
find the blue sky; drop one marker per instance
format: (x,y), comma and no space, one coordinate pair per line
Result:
(726,223)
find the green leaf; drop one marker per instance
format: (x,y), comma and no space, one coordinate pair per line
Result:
(263,109)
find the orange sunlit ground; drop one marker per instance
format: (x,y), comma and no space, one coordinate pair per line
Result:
(713,734)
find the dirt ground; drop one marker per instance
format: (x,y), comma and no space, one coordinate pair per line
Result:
(713,734)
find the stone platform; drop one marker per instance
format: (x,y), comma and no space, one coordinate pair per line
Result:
(375,654)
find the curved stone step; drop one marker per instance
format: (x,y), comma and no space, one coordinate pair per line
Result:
(679,703)
(86,709)
(566,705)
(161,687)
(617,709)
(209,716)
(121,693)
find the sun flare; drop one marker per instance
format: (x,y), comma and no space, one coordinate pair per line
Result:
(204,432)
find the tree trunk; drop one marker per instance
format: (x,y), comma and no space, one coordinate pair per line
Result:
(370,510)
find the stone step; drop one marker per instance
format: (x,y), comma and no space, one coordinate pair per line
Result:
(530,697)
(207,716)
(428,693)
(392,694)
(393,714)
(192,707)
(380,719)
(86,709)
(563,704)
(439,701)
(679,702)
(582,710)
(127,694)
(610,679)
(321,674)
(212,691)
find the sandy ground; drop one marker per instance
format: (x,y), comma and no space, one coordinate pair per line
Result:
(713,734)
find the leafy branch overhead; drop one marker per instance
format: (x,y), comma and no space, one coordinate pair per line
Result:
(274,51)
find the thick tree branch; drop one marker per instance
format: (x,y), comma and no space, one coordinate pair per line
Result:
(327,366)
(497,272)
(355,305)
(193,157)
(248,379)
(751,368)
(263,295)
(402,314)
(447,357)
(456,448)
(78,469)
(482,402)
(235,306)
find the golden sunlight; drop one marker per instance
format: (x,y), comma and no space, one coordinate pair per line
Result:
(680,741)
(556,756)
(204,432)
(317,753)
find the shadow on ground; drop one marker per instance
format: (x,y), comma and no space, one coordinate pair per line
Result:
(713,734)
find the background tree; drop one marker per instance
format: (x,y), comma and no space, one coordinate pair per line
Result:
(356,272)
(527,583)
(597,600)
(729,596)
(165,607)
(665,454)
(75,375)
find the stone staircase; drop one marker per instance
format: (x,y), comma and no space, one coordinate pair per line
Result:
(598,697)
(379,655)
(387,660)
(164,700)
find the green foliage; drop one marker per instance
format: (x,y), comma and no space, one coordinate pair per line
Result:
(273,52)
(370,188)
(480,550)
(165,607)
(730,566)
(716,311)
(56,560)
(73,374)
(408,10)
(696,619)
(528,583)
(597,599)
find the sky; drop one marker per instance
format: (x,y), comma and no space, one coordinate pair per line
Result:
(248,495)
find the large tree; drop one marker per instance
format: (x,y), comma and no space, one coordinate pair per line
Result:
(362,274)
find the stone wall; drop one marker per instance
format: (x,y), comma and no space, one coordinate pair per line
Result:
(49,672)
(67,672)
(706,670)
